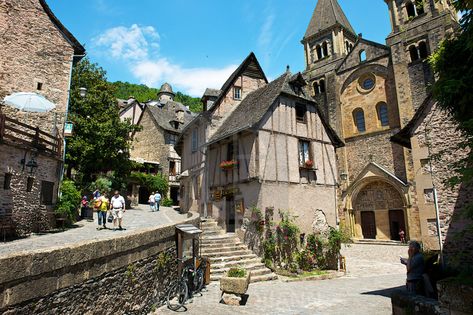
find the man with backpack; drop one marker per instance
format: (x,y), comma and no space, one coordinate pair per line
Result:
(157,199)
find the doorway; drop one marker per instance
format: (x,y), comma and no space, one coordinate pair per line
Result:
(230,214)
(174,193)
(143,195)
(396,223)
(368,224)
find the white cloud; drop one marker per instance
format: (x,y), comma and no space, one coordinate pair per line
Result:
(138,46)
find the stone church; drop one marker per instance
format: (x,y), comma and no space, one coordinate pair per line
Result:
(369,92)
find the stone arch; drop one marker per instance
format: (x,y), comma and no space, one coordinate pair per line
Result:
(414,54)
(410,9)
(325,49)
(379,70)
(378,209)
(423,51)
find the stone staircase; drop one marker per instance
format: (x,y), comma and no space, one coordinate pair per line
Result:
(225,250)
(378,242)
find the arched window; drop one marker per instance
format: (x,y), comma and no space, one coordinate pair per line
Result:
(322,86)
(319,52)
(347,46)
(383,117)
(316,88)
(362,55)
(351,47)
(423,52)
(411,10)
(359,119)
(413,52)
(325,49)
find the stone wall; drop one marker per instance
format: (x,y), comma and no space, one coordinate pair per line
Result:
(438,132)
(149,143)
(27,212)
(123,275)
(34,51)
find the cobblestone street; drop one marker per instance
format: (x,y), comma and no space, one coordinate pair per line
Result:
(373,271)
(133,220)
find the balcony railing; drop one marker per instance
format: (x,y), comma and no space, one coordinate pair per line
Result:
(13,131)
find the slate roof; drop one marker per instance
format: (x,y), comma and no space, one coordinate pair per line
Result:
(256,71)
(165,115)
(211,93)
(256,104)
(78,48)
(403,137)
(327,14)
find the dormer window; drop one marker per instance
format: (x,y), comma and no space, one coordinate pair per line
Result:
(237,93)
(301,113)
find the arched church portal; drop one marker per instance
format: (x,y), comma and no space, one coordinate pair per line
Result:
(379,212)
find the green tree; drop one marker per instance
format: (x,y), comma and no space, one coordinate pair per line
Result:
(100,143)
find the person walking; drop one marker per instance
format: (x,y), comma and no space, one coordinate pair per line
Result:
(157,200)
(415,268)
(102,211)
(151,201)
(117,206)
(84,207)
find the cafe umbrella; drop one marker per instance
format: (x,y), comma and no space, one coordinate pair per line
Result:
(29,102)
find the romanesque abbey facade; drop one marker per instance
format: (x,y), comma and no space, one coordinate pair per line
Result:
(369,92)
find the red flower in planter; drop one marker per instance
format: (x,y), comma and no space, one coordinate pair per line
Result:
(309,163)
(228,165)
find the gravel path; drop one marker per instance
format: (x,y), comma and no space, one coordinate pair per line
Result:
(372,272)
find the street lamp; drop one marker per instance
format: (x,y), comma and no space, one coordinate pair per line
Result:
(82,92)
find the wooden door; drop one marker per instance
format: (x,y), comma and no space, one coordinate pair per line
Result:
(368,224)
(230,214)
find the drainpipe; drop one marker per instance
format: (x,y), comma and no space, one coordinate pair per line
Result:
(65,119)
(206,175)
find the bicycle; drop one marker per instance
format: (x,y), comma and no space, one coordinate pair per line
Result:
(189,282)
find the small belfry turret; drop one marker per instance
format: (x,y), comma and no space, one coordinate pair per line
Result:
(329,35)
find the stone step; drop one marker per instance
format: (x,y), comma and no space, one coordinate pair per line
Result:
(204,224)
(254,278)
(218,239)
(222,247)
(220,253)
(378,242)
(249,263)
(254,272)
(216,260)
(211,233)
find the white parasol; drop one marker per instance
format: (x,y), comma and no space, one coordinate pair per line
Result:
(29,102)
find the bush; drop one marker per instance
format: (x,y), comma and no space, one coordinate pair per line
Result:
(236,272)
(103,184)
(167,202)
(69,200)
(151,182)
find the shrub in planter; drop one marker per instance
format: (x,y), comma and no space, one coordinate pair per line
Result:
(236,281)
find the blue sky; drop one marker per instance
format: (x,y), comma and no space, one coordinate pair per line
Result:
(196,44)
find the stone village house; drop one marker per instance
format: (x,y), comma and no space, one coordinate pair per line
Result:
(37,55)
(270,132)
(162,122)
(435,143)
(368,92)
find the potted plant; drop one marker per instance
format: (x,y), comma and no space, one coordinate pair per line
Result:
(236,281)
(228,165)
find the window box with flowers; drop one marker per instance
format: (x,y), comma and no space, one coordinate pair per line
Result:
(228,165)
(308,164)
